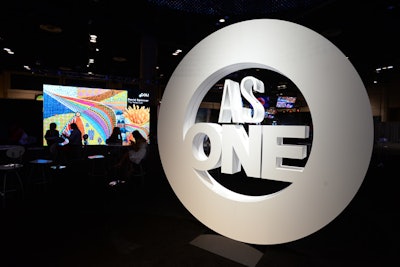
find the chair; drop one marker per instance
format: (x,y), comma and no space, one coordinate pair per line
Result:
(140,169)
(98,165)
(39,172)
(13,166)
(15,154)
(140,172)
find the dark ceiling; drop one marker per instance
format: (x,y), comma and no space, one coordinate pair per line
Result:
(53,36)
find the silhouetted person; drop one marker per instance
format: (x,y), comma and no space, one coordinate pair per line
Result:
(131,159)
(74,136)
(18,136)
(73,143)
(115,137)
(52,137)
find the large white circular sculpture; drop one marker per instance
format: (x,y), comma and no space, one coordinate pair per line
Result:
(342,131)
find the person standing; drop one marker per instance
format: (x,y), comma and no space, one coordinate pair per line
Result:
(52,137)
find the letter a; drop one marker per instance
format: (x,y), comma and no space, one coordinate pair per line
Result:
(231,103)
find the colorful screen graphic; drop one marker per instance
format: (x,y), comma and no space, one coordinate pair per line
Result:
(96,111)
(285,101)
(137,114)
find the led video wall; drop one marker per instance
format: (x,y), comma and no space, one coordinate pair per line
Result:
(96,111)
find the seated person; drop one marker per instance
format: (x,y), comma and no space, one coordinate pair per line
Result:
(115,137)
(74,135)
(130,160)
(71,148)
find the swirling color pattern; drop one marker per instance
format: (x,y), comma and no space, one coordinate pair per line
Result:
(93,110)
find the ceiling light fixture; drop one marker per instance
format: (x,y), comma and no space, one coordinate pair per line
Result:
(119,59)
(93,38)
(177,52)
(50,28)
(8,50)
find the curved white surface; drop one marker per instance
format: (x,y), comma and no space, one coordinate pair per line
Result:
(342,127)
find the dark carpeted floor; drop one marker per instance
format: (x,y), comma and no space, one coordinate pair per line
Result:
(78,220)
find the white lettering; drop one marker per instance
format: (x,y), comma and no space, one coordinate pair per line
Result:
(232,110)
(238,148)
(193,144)
(144,95)
(247,86)
(260,152)
(273,150)
(231,103)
